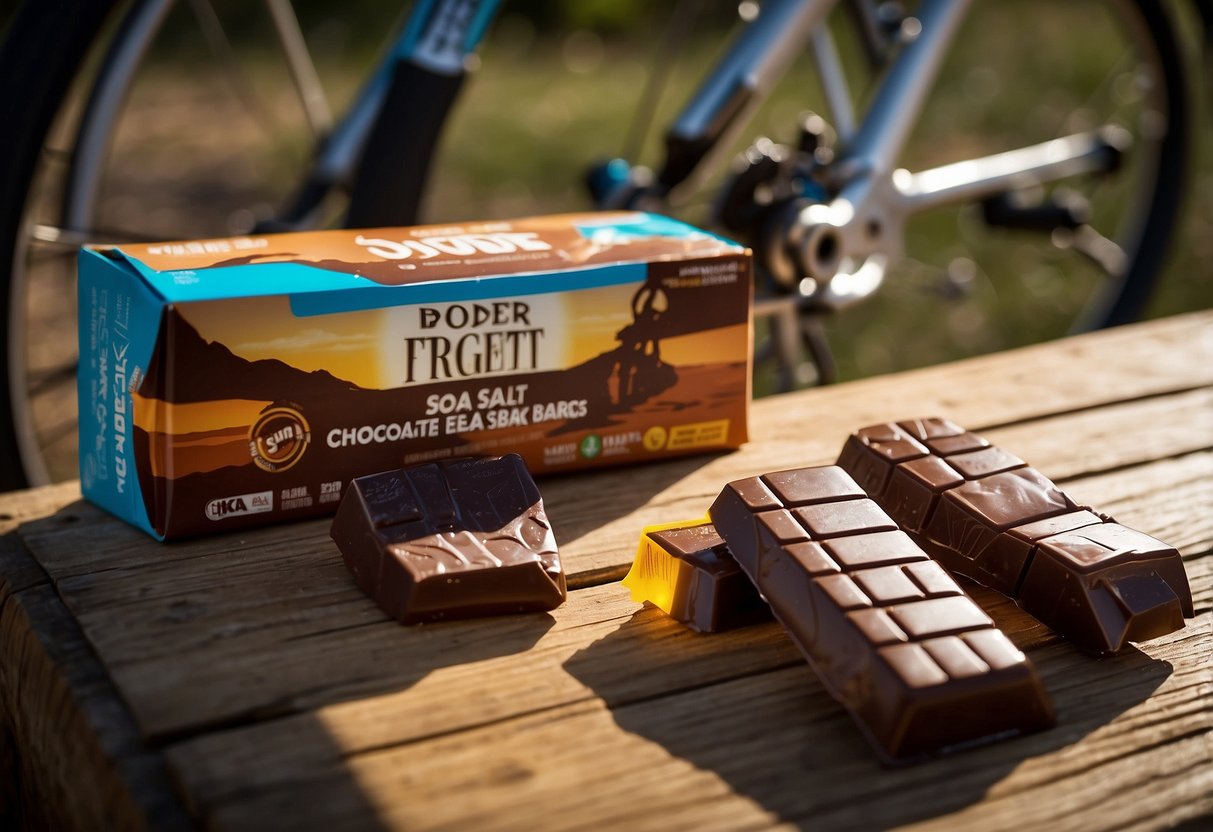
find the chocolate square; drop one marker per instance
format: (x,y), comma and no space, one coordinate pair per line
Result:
(1010,528)
(459,538)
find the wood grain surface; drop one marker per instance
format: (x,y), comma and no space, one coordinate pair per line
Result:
(243,681)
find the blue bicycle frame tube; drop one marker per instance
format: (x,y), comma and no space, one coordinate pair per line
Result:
(437,38)
(413,92)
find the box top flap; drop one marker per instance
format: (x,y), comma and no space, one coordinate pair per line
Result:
(323,261)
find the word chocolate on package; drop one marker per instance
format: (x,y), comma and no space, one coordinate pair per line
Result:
(235,382)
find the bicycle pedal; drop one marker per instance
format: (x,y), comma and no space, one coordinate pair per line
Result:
(616,183)
(1060,209)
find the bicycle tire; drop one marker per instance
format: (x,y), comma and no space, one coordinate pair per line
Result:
(47,47)
(1126,302)
(1124,298)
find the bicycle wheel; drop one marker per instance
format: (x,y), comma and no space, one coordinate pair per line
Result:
(1101,87)
(39,348)
(1046,259)
(56,57)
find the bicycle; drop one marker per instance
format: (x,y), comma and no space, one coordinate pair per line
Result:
(825,214)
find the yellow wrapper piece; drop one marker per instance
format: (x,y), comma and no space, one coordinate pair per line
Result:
(656,575)
(686,570)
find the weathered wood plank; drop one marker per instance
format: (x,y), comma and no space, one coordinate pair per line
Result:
(55,695)
(17,507)
(1183,518)
(80,539)
(775,747)
(231,600)
(295,690)
(264,639)
(1103,439)
(634,659)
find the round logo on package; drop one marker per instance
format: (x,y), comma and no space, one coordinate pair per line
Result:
(655,438)
(279,438)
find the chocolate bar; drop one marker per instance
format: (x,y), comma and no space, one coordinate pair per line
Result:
(452,539)
(686,570)
(918,664)
(983,513)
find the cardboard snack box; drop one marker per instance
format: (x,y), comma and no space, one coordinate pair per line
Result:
(235,382)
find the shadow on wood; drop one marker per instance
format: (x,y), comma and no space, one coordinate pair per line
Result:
(326,644)
(579,510)
(780,739)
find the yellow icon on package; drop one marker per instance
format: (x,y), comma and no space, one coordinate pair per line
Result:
(654,438)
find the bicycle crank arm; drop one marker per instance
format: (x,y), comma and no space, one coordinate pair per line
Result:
(1090,152)
(836,251)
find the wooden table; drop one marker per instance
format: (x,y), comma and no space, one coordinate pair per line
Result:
(242,681)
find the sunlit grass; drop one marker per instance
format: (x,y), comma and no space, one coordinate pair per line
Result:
(191,160)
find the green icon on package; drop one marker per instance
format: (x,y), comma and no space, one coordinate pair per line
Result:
(591,446)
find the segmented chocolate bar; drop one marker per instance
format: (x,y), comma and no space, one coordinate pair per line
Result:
(983,513)
(917,663)
(452,539)
(686,570)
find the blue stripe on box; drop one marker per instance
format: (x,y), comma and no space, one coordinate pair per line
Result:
(466,289)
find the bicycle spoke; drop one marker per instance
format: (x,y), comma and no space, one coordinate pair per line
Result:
(672,42)
(57,433)
(1050,161)
(221,47)
(1124,63)
(69,240)
(302,69)
(41,382)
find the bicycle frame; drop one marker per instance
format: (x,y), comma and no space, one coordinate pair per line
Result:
(442,34)
(828,254)
(835,236)
(439,37)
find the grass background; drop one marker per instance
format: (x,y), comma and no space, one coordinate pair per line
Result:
(208,144)
(557,90)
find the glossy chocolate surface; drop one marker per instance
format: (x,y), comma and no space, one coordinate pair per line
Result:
(452,539)
(687,571)
(918,664)
(983,513)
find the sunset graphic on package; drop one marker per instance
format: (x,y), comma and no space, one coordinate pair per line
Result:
(234,382)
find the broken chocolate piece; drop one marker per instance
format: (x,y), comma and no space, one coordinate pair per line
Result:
(983,513)
(686,570)
(918,664)
(452,539)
